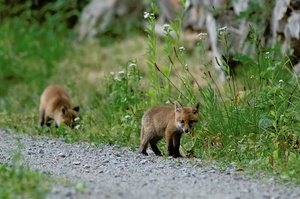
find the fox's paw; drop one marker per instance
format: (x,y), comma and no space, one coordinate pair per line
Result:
(144,152)
(177,155)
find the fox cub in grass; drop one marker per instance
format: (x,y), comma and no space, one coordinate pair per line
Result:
(55,104)
(160,121)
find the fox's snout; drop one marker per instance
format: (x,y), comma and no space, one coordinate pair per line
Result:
(183,128)
(186,130)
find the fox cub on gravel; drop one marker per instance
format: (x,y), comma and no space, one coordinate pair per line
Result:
(55,104)
(160,121)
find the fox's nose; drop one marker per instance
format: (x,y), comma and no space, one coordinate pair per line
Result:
(186,130)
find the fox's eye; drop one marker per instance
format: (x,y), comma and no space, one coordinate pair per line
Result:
(182,121)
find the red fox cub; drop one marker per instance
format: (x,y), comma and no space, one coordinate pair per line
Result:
(55,104)
(160,121)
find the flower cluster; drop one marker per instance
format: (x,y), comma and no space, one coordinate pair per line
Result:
(181,49)
(202,35)
(167,29)
(148,15)
(223,30)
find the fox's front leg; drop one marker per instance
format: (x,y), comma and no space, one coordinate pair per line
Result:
(154,147)
(176,143)
(42,117)
(169,140)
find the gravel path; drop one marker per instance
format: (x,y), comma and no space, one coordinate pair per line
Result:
(118,172)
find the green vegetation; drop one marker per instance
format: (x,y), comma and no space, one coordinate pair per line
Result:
(20,182)
(252,119)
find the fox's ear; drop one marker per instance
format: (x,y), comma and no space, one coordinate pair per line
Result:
(196,108)
(76,108)
(178,107)
(64,110)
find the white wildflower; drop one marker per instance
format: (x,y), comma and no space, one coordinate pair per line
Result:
(267,55)
(181,48)
(280,81)
(222,30)
(146,15)
(132,65)
(117,79)
(122,72)
(202,35)
(149,15)
(167,28)
(125,118)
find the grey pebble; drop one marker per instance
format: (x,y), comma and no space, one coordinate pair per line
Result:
(76,163)
(86,166)
(62,155)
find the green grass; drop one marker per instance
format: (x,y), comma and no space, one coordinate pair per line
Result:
(20,182)
(17,181)
(252,119)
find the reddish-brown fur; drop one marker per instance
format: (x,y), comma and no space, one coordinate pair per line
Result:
(55,104)
(164,121)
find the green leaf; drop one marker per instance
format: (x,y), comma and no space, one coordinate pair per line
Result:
(243,58)
(265,122)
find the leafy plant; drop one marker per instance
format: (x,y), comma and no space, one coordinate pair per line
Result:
(254,120)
